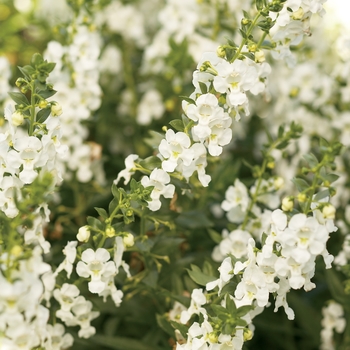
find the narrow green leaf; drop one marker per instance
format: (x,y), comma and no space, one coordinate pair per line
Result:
(215,236)
(151,163)
(187,99)
(203,87)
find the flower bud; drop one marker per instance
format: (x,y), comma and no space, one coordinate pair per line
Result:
(17,118)
(287,204)
(247,335)
(110,231)
(16,251)
(83,234)
(259,56)
(43,104)
(128,240)
(328,211)
(278,182)
(56,109)
(220,51)
(301,197)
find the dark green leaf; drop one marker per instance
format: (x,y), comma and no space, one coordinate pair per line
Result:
(19,98)
(215,236)
(95,223)
(311,160)
(177,124)
(187,99)
(203,87)
(151,163)
(43,114)
(102,212)
(198,276)
(301,184)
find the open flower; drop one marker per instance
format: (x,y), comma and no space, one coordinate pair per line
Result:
(96,266)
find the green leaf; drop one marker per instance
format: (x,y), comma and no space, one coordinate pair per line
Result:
(19,98)
(36,60)
(177,124)
(215,236)
(112,205)
(151,279)
(47,93)
(187,99)
(95,223)
(43,114)
(320,195)
(180,327)
(102,212)
(151,163)
(301,184)
(331,178)
(203,87)
(311,160)
(230,305)
(198,276)
(193,220)
(243,310)
(27,71)
(49,67)
(165,325)
(336,287)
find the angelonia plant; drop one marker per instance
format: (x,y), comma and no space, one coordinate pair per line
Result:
(223,222)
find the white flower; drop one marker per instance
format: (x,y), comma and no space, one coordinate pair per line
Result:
(129,169)
(175,148)
(70,251)
(83,234)
(236,201)
(159,179)
(96,266)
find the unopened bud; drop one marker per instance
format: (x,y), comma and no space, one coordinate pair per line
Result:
(56,109)
(278,182)
(17,118)
(301,197)
(259,56)
(16,251)
(43,104)
(287,204)
(110,231)
(328,211)
(128,240)
(247,335)
(220,51)
(83,234)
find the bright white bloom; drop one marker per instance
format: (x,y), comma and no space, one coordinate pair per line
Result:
(175,148)
(129,169)
(236,201)
(70,251)
(197,300)
(159,179)
(96,265)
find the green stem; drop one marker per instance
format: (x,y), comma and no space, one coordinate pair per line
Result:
(32,109)
(249,31)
